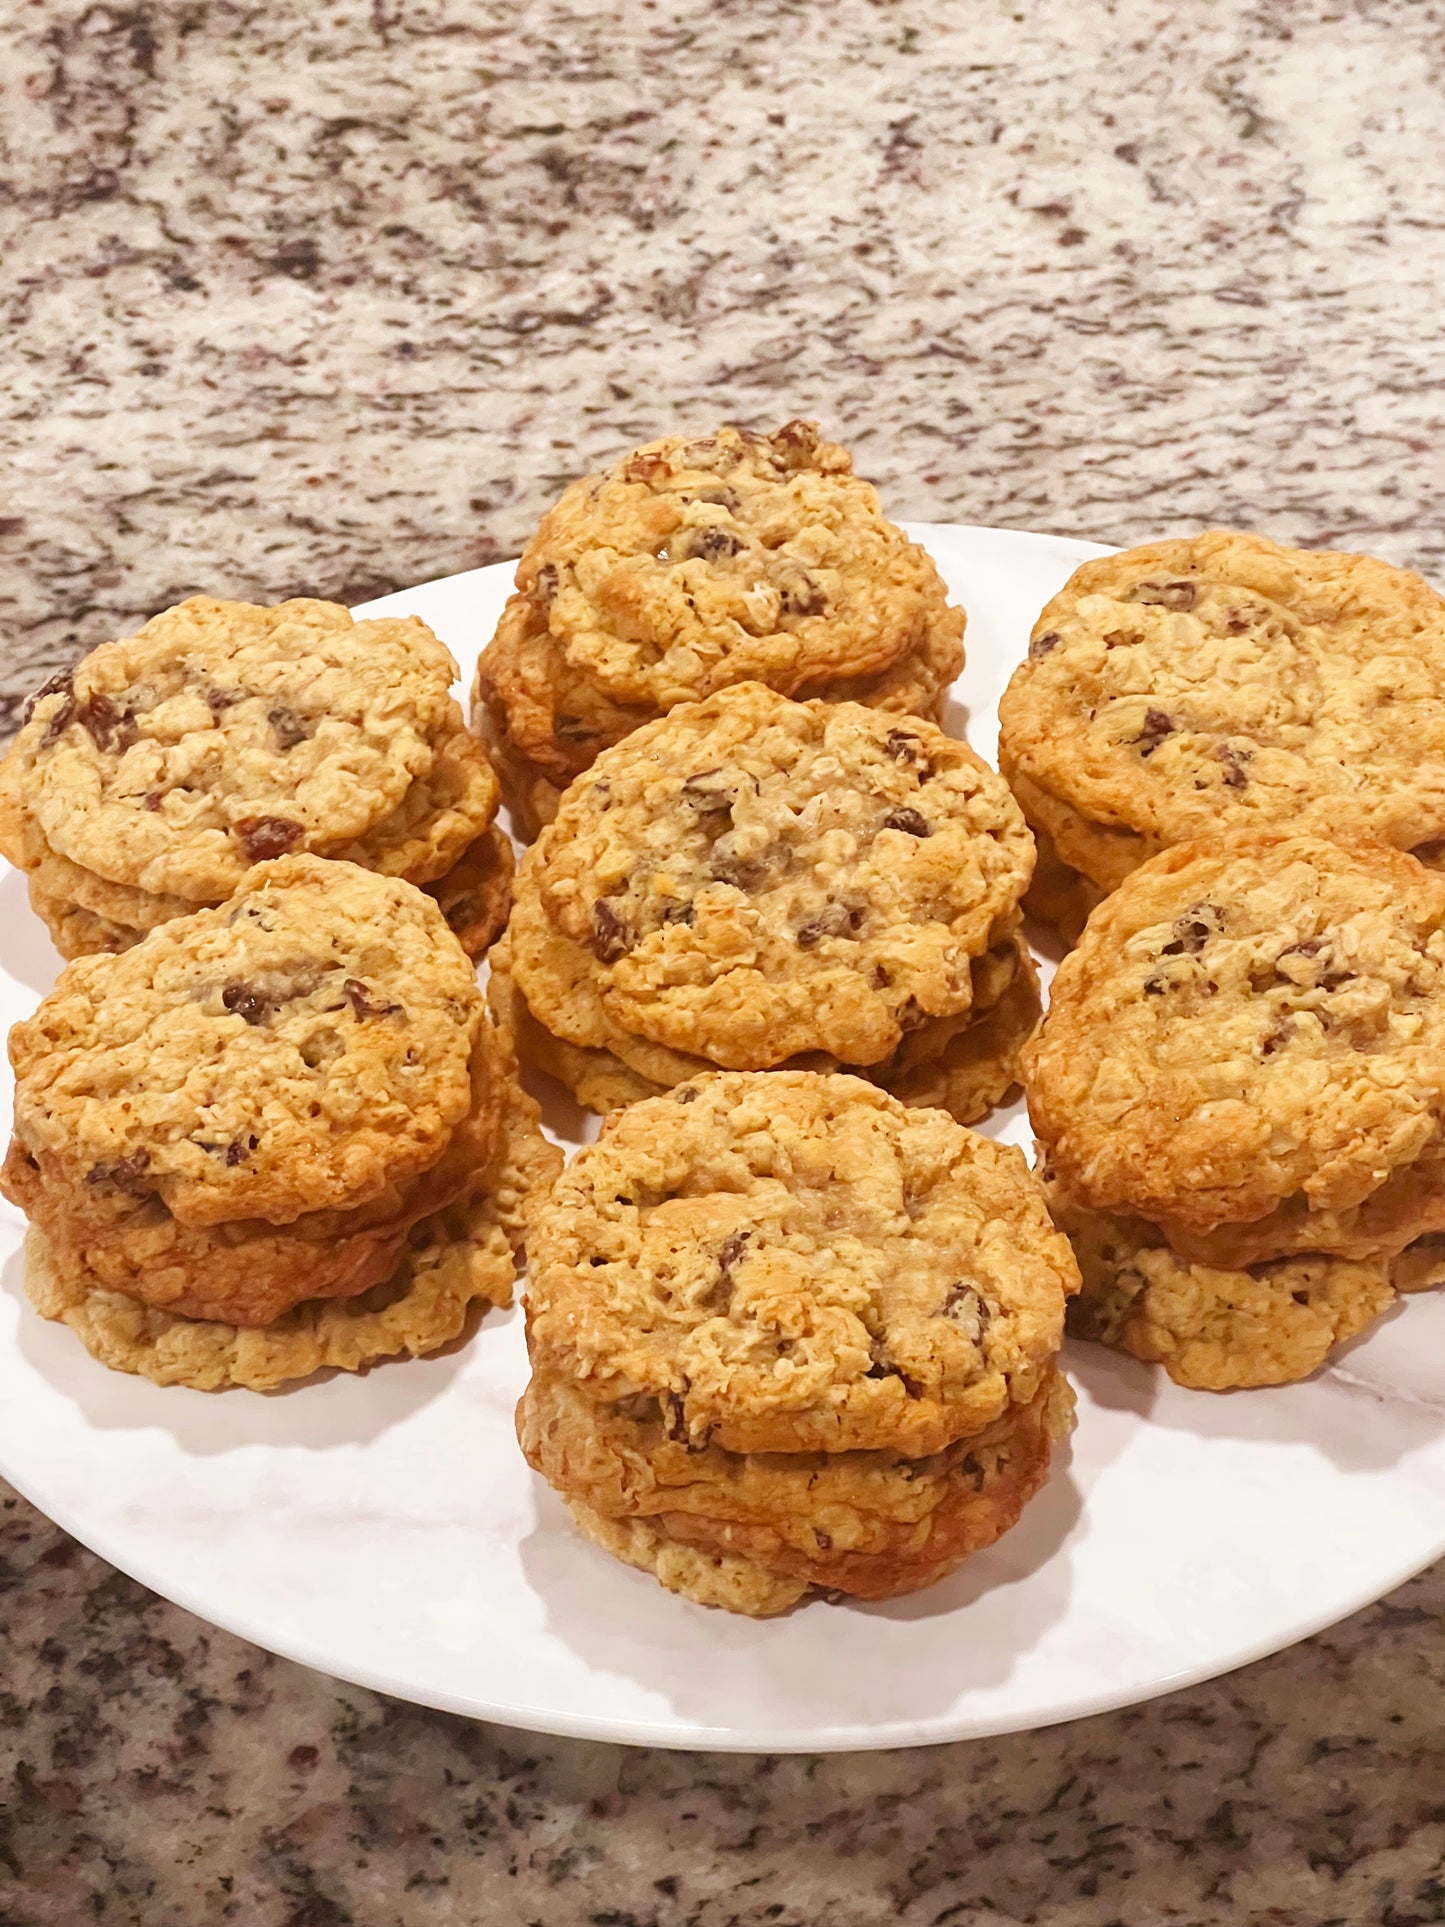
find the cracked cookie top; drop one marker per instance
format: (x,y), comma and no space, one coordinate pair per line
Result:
(1250,1018)
(793,1262)
(695,563)
(1225,679)
(749,878)
(224,734)
(296,1049)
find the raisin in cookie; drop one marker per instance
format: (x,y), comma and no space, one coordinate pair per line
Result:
(1224,680)
(793,1262)
(1251,1034)
(147,781)
(301,1047)
(694,564)
(750,878)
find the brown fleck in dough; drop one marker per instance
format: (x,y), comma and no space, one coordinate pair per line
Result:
(848,1317)
(694,564)
(1186,686)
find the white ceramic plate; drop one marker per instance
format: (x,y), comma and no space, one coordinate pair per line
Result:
(385,1529)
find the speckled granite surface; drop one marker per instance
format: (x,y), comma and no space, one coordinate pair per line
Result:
(332,300)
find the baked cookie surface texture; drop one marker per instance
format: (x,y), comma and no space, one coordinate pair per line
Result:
(752,882)
(260,1117)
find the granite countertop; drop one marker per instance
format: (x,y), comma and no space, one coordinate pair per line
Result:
(328,301)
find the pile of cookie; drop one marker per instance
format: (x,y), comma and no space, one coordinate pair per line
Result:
(1240,1091)
(793,1329)
(755,883)
(694,564)
(788,1336)
(274,1136)
(147,781)
(1184,688)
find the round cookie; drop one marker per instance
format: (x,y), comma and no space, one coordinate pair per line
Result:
(750,878)
(792,1262)
(1216,1329)
(86,913)
(694,564)
(1253,1022)
(869,1524)
(300,1048)
(224,734)
(1225,680)
(963,1065)
(451,1262)
(248,1271)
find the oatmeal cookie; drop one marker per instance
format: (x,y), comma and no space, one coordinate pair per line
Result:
(1215,1329)
(299,1048)
(247,1271)
(76,932)
(1057,894)
(866,1523)
(1252,1019)
(793,1262)
(695,564)
(461,1257)
(964,1065)
(1226,681)
(969,1069)
(224,734)
(750,878)
(439,819)
(86,913)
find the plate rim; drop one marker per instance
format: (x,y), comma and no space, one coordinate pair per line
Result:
(724,1739)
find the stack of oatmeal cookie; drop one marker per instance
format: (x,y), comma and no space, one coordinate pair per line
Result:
(1240,1090)
(787,1335)
(753,883)
(1174,690)
(692,565)
(271,1136)
(147,781)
